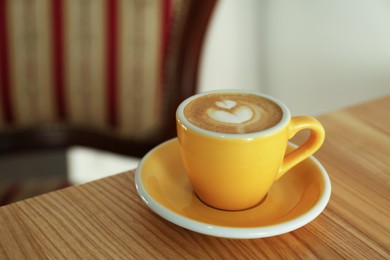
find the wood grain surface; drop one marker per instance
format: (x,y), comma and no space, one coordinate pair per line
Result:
(106,218)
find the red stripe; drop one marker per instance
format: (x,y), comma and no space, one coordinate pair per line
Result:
(165,26)
(58,61)
(112,62)
(5,100)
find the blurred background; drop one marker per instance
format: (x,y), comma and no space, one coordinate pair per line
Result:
(316,56)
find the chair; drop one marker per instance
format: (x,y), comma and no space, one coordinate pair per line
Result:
(106,74)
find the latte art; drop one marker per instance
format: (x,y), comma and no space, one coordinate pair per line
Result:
(233,113)
(230,113)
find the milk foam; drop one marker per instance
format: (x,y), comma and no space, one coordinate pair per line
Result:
(230,112)
(226,103)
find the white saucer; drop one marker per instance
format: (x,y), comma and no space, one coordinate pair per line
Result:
(293,201)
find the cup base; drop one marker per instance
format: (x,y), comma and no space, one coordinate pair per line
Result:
(233,210)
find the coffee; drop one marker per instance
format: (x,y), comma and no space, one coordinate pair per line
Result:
(233,113)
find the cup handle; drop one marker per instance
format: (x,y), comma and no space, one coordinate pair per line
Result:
(312,144)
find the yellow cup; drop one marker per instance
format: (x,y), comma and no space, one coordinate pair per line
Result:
(235,171)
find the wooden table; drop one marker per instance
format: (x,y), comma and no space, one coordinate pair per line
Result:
(107,219)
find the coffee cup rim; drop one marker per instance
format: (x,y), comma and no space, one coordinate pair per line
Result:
(283,121)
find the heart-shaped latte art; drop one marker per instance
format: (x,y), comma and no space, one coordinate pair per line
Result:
(237,115)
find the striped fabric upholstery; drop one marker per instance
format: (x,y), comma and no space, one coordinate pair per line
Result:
(93,63)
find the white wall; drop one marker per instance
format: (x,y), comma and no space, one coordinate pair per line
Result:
(314,55)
